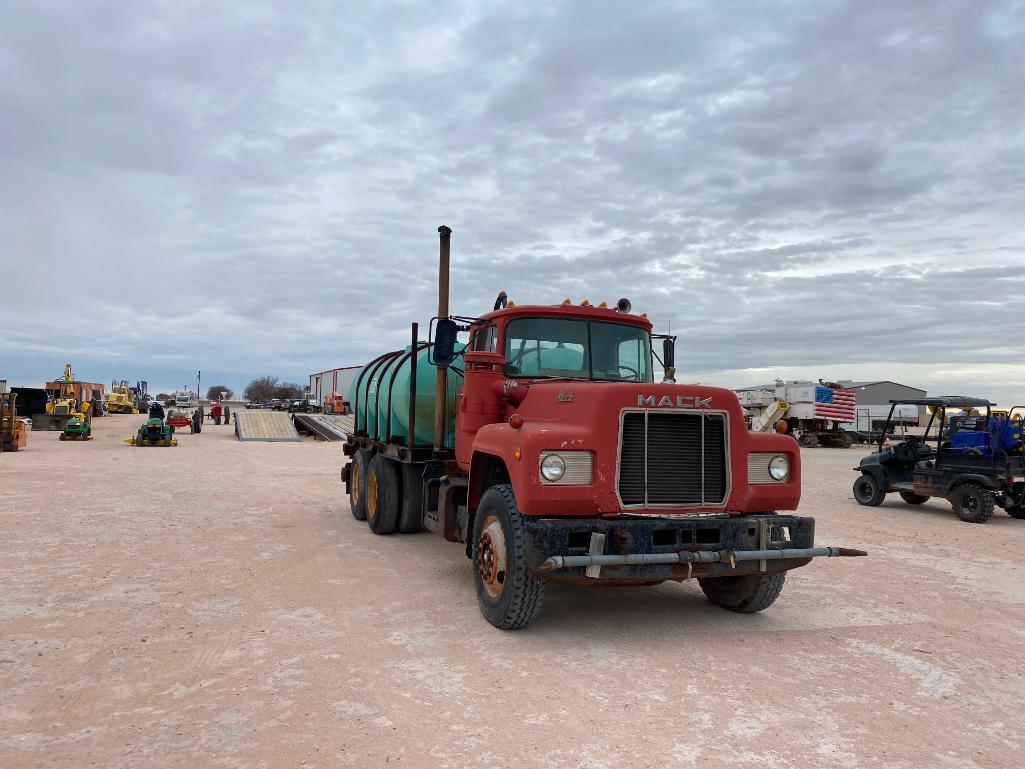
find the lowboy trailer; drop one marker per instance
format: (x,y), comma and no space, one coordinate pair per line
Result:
(547,449)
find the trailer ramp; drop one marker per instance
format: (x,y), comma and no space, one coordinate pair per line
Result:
(264,426)
(328,427)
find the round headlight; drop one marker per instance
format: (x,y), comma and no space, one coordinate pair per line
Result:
(553,467)
(779,467)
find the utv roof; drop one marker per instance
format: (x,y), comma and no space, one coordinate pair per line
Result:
(954,401)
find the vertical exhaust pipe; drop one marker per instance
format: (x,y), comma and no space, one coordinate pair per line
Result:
(440,405)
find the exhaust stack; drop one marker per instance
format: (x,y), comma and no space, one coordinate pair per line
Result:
(445,236)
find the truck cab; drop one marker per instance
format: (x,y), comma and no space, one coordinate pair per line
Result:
(572,390)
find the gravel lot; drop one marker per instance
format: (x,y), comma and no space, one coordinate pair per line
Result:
(215,604)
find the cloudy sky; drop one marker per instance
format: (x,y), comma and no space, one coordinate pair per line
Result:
(821,189)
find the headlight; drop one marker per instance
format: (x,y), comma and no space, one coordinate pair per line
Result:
(779,467)
(553,467)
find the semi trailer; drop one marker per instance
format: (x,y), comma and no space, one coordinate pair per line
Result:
(545,447)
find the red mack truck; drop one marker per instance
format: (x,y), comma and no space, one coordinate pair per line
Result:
(545,446)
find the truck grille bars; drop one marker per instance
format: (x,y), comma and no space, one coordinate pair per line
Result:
(672,459)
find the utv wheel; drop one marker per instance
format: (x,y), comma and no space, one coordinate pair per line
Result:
(509,596)
(1017,512)
(746,594)
(912,498)
(972,503)
(867,491)
(411,506)
(383,494)
(358,484)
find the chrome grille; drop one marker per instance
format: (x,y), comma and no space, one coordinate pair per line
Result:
(672,459)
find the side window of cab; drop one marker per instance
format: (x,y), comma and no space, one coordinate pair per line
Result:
(484,339)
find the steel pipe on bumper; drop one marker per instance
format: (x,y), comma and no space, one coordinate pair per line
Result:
(644,549)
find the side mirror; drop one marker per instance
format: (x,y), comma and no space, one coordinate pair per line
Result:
(669,352)
(444,351)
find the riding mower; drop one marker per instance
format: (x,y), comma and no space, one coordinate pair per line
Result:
(976,468)
(79,426)
(153,433)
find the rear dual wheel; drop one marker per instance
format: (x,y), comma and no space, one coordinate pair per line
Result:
(358,484)
(394,493)
(383,495)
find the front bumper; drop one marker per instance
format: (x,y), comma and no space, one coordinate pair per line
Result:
(718,538)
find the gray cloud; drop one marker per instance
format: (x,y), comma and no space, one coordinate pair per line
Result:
(249,188)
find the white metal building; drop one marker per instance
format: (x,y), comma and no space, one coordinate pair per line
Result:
(323,383)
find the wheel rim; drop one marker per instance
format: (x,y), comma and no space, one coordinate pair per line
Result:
(372,495)
(969,504)
(354,482)
(864,490)
(491,556)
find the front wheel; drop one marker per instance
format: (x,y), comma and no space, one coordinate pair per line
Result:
(745,594)
(912,498)
(867,492)
(972,503)
(508,595)
(1017,512)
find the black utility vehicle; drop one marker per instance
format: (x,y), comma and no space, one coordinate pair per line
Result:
(975,468)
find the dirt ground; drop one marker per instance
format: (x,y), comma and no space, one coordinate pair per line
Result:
(216,605)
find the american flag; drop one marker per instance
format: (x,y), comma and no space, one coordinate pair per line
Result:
(834,404)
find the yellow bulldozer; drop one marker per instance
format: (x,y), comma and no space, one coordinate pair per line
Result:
(120,399)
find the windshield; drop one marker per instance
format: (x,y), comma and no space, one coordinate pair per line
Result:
(578,349)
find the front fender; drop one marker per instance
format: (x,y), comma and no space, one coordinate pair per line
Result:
(501,441)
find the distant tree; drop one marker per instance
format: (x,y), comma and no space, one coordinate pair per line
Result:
(261,389)
(219,392)
(288,390)
(163,397)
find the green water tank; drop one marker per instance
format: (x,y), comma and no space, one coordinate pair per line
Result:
(371,409)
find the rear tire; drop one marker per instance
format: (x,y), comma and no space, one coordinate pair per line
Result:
(912,498)
(411,506)
(383,494)
(972,503)
(358,484)
(867,492)
(508,595)
(745,594)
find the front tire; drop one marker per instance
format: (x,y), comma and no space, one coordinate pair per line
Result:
(912,498)
(383,494)
(867,492)
(508,595)
(358,484)
(972,503)
(1017,512)
(745,594)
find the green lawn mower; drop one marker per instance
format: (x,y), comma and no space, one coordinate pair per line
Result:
(153,433)
(78,428)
